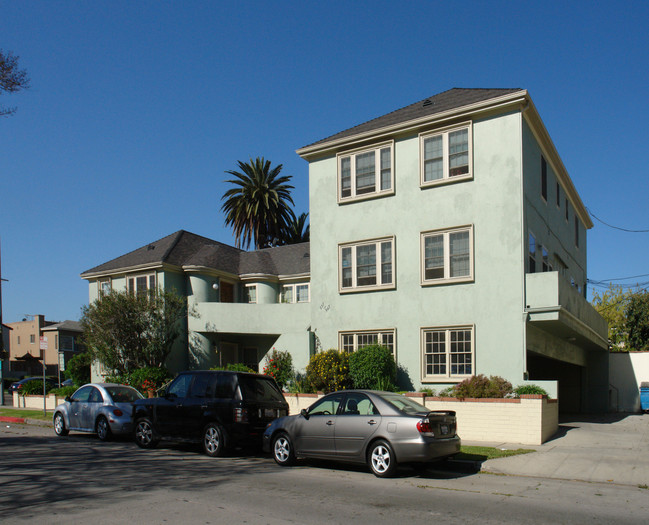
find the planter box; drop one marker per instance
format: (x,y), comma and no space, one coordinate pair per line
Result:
(51,401)
(530,420)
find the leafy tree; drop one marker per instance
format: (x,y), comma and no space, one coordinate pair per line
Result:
(125,331)
(612,305)
(257,207)
(12,78)
(298,230)
(637,321)
(78,368)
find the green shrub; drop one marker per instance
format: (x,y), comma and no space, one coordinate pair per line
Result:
(373,367)
(64,391)
(34,388)
(329,371)
(427,391)
(482,387)
(447,392)
(78,368)
(280,367)
(300,385)
(521,390)
(118,379)
(149,378)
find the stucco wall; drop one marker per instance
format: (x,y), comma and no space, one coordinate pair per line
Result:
(491,202)
(626,372)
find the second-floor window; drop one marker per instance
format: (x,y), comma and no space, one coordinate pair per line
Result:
(366,265)
(104,287)
(446,155)
(141,284)
(532,254)
(251,293)
(447,255)
(544,179)
(365,173)
(295,293)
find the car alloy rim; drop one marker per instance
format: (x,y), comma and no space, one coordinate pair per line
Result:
(212,439)
(282,449)
(101,428)
(144,433)
(380,459)
(58,423)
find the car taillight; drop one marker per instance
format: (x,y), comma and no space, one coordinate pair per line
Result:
(425,428)
(240,415)
(118,412)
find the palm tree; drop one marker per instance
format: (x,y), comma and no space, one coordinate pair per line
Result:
(298,230)
(257,207)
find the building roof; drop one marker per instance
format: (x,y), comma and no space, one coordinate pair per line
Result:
(185,249)
(446,101)
(69,326)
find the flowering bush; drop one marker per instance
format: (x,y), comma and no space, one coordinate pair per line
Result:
(280,367)
(329,371)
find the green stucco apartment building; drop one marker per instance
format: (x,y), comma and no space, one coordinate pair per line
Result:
(448,230)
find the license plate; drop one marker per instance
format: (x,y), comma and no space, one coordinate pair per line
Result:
(269,412)
(444,429)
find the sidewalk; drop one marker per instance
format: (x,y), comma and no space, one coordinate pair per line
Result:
(609,448)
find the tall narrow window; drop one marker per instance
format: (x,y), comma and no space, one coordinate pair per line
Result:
(576,231)
(547,266)
(544,179)
(532,254)
(558,195)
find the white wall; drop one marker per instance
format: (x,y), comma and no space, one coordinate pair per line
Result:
(626,372)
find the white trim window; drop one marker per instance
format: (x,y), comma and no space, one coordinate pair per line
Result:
(446,155)
(251,293)
(352,341)
(447,255)
(366,173)
(447,352)
(295,293)
(141,285)
(366,265)
(104,287)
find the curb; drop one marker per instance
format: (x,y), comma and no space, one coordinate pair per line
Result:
(26,421)
(8,419)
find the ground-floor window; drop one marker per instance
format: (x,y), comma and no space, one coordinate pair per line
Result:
(447,352)
(352,341)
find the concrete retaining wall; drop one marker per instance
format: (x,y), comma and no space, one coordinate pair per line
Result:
(51,401)
(626,371)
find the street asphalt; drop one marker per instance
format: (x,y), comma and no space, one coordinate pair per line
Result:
(608,448)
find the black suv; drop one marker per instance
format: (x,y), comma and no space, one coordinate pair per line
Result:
(219,408)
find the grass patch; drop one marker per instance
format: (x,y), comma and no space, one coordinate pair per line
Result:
(485,453)
(31,414)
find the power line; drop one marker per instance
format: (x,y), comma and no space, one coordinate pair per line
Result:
(615,227)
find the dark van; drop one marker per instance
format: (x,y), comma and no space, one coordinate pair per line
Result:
(220,409)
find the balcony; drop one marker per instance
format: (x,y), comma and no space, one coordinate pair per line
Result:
(247,318)
(555,306)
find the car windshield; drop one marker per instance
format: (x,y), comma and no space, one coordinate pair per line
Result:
(123,394)
(256,388)
(405,404)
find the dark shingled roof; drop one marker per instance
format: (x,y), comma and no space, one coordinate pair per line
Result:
(188,249)
(445,101)
(72,326)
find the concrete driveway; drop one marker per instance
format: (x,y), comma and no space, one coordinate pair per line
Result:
(609,448)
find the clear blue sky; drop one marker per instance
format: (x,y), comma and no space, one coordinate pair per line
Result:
(137,108)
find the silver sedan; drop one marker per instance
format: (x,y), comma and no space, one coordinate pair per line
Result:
(381,429)
(103,408)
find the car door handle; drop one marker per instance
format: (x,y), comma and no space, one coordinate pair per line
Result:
(371,422)
(330,422)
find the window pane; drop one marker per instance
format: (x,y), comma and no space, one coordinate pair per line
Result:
(435,353)
(365,175)
(347,267)
(460,352)
(433,159)
(458,148)
(434,257)
(532,253)
(366,265)
(141,285)
(345,177)
(288,294)
(459,254)
(302,293)
(386,262)
(348,342)
(386,172)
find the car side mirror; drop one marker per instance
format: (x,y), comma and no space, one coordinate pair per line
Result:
(304,413)
(68,399)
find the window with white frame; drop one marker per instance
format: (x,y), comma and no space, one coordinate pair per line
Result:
(352,341)
(141,284)
(366,264)
(104,287)
(447,255)
(447,352)
(446,155)
(366,173)
(251,293)
(295,293)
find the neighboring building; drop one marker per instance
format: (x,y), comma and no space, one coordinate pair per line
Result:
(448,230)
(61,339)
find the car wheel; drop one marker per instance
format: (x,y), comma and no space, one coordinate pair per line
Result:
(59,425)
(381,459)
(283,452)
(103,429)
(145,436)
(214,440)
